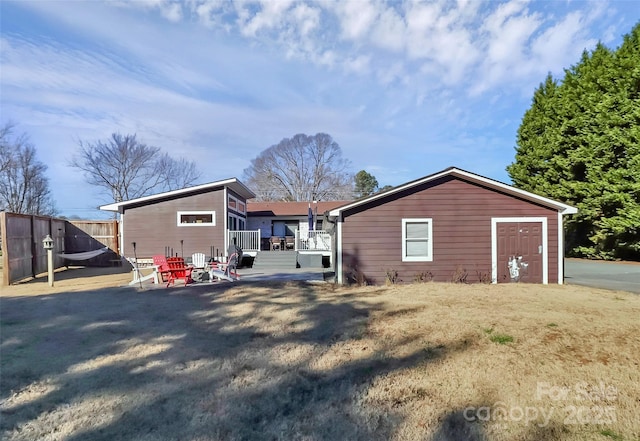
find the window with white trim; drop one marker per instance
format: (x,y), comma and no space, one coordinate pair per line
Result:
(417,240)
(196,218)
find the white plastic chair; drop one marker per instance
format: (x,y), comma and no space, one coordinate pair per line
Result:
(137,274)
(198,260)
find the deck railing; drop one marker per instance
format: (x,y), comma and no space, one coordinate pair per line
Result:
(245,239)
(313,241)
(249,240)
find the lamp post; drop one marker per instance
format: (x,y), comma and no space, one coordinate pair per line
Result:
(47,243)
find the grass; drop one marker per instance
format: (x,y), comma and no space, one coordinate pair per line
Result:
(313,362)
(498,338)
(501,338)
(608,433)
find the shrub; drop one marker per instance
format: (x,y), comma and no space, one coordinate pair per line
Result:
(483,277)
(423,276)
(391,276)
(460,275)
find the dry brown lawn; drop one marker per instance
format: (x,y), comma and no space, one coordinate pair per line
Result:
(92,360)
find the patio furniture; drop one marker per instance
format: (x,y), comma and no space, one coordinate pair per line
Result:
(199,263)
(172,268)
(275,242)
(225,271)
(138,278)
(289,242)
(198,260)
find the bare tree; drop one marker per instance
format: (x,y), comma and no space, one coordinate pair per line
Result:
(5,147)
(24,188)
(127,169)
(301,168)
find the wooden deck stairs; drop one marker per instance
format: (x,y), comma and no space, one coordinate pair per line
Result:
(275,260)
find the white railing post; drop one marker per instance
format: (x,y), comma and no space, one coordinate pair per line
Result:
(248,240)
(314,241)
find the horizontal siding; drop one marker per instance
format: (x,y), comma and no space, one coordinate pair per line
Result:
(461,212)
(154,227)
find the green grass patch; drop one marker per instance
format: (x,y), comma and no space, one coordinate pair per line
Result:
(501,339)
(552,325)
(611,434)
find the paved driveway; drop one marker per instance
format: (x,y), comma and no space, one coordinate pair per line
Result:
(599,274)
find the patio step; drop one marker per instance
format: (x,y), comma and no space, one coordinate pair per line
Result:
(275,259)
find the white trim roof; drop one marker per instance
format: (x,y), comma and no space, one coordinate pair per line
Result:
(480,180)
(233,183)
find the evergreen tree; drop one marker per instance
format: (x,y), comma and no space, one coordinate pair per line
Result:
(580,143)
(365,184)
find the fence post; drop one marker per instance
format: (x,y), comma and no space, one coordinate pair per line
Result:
(34,258)
(5,250)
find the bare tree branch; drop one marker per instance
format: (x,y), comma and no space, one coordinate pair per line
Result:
(127,169)
(301,168)
(24,188)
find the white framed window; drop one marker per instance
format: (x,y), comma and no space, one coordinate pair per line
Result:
(196,218)
(417,240)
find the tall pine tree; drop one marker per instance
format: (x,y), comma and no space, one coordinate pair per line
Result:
(580,143)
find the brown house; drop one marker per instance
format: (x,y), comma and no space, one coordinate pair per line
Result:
(185,221)
(451,226)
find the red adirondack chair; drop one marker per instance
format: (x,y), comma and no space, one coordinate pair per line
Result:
(172,268)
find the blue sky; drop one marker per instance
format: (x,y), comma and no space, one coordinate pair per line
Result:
(405,88)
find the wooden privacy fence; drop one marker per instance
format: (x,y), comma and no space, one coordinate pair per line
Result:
(24,256)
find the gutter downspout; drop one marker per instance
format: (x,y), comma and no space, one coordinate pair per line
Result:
(334,246)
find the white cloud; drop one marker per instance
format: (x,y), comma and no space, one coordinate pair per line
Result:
(506,33)
(171,11)
(496,20)
(270,15)
(356,18)
(523,46)
(509,36)
(390,31)
(210,13)
(442,39)
(560,42)
(307,18)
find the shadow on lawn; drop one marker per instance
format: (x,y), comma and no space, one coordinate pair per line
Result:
(208,370)
(462,425)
